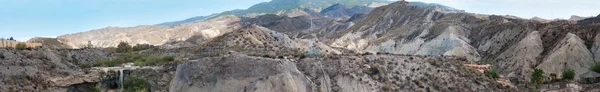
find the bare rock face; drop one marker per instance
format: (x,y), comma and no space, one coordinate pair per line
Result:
(154,35)
(239,74)
(394,73)
(596,48)
(254,37)
(43,70)
(337,73)
(570,53)
(519,59)
(414,30)
(49,42)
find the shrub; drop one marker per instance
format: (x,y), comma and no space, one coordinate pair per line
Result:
(492,74)
(108,63)
(123,47)
(94,89)
(140,62)
(568,74)
(596,68)
(168,58)
(83,66)
(140,47)
(537,76)
(553,76)
(21,46)
(134,83)
(156,60)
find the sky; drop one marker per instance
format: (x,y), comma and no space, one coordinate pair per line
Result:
(24,19)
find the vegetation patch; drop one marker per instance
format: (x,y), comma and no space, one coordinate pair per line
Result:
(134,83)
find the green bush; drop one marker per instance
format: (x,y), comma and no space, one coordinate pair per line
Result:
(140,47)
(568,74)
(168,58)
(134,83)
(537,76)
(128,57)
(596,68)
(123,47)
(94,89)
(492,74)
(108,63)
(21,46)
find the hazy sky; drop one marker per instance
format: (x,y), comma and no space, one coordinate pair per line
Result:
(24,19)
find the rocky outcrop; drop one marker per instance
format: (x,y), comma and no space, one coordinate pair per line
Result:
(39,70)
(49,42)
(257,38)
(337,73)
(570,53)
(576,18)
(402,29)
(520,59)
(239,73)
(340,11)
(394,73)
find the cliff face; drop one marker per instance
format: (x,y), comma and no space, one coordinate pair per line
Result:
(239,73)
(36,70)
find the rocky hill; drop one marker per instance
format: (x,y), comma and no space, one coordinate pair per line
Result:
(413,30)
(340,11)
(293,8)
(154,35)
(415,47)
(259,39)
(36,70)
(237,72)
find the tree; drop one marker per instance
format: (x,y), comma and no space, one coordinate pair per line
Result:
(492,74)
(537,76)
(21,46)
(11,38)
(568,74)
(140,47)
(134,83)
(123,47)
(89,45)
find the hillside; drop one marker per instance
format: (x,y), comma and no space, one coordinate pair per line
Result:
(499,40)
(153,35)
(291,8)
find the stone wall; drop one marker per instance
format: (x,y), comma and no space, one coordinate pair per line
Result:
(10,43)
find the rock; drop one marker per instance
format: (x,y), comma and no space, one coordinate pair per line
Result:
(239,73)
(571,53)
(518,59)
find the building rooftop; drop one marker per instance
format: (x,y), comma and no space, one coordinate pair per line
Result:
(590,74)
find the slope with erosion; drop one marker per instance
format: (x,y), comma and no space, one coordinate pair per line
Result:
(154,35)
(238,72)
(570,53)
(499,40)
(402,29)
(254,38)
(36,70)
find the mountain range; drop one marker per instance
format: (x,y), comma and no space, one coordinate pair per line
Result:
(368,44)
(289,7)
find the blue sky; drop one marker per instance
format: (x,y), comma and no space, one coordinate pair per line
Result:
(24,19)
